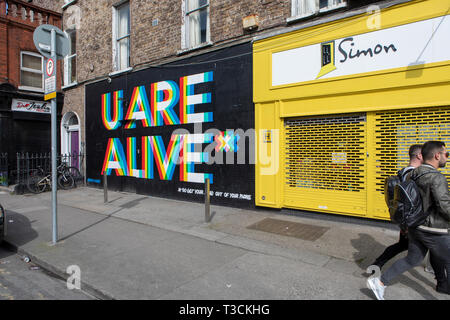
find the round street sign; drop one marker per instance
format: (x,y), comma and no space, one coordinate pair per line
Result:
(42,41)
(50,67)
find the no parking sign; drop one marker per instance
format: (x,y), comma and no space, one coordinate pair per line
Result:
(50,79)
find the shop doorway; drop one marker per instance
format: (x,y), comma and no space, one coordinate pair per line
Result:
(325,164)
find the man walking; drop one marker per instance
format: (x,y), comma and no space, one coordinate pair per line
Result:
(415,160)
(433,234)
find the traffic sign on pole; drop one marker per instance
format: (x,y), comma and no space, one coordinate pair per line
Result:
(53,44)
(42,41)
(50,79)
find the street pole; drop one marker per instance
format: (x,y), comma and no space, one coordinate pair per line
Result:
(105,187)
(54,173)
(45,40)
(207,201)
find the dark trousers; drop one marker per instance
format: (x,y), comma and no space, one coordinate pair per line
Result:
(419,244)
(393,250)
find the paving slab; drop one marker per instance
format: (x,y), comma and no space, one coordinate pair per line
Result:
(141,247)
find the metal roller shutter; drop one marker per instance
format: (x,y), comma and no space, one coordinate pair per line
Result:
(325,163)
(395,132)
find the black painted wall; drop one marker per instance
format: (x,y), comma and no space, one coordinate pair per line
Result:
(232,107)
(22,132)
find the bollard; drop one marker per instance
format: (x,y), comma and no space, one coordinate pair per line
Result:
(207,202)
(105,187)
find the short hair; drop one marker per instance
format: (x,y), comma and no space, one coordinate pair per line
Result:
(429,148)
(414,150)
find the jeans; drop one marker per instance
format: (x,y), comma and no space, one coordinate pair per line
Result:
(393,250)
(419,243)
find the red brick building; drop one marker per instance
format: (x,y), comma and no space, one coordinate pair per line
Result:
(24,115)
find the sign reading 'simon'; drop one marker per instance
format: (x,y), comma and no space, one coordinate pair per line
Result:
(408,45)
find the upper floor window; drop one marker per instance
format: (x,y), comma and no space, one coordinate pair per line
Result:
(70,62)
(121,36)
(303,8)
(31,71)
(196,22)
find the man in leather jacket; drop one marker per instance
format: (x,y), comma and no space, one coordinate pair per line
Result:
(433,234)
(415,160)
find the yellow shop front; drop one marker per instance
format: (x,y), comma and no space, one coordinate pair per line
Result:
(337,106)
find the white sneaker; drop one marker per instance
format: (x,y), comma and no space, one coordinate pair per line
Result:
(429,269)
(375,285)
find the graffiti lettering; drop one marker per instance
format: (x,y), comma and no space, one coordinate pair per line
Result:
(178,152)
(159,110)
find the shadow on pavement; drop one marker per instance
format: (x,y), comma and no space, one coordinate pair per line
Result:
(18,233)
(89,226)
(369,249)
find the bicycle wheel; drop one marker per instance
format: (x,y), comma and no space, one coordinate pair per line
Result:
(36,183)
(65,181)
(75,173)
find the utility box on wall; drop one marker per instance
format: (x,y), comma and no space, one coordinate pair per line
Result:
(251,22)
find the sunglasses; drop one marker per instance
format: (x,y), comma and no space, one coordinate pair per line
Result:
(447,154)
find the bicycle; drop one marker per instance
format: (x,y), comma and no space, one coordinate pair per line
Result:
(39,181)
(75,173)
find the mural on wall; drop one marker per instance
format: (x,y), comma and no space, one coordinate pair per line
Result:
(164,131)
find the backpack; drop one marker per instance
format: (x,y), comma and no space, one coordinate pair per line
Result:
(407,209)
(389,186)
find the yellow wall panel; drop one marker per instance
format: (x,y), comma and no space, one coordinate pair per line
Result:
(401,105)
(398,77)
(269,152)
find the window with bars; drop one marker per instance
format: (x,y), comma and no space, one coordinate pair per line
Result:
(196,22)
(31,71)
(70,62)
(121,36)
(304,8)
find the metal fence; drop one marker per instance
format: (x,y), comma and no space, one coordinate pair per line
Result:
(27,163)
(3,169)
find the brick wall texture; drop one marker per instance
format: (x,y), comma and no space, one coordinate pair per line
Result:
(156,43)
(153,44)
(16,36)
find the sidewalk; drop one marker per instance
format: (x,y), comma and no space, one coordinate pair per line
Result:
(141,247)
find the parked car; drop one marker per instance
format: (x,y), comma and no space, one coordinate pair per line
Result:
(2,223)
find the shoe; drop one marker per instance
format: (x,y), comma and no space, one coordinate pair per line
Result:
(429,269)
(442,288)
(375,285)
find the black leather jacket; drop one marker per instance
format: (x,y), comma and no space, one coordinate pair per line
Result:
(435,197)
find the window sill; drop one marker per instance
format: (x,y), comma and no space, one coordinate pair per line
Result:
(299,18)
(115,73)
(339,6)
(70,85)
(309,15)
(25,88)
(68,4)
(201,46)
